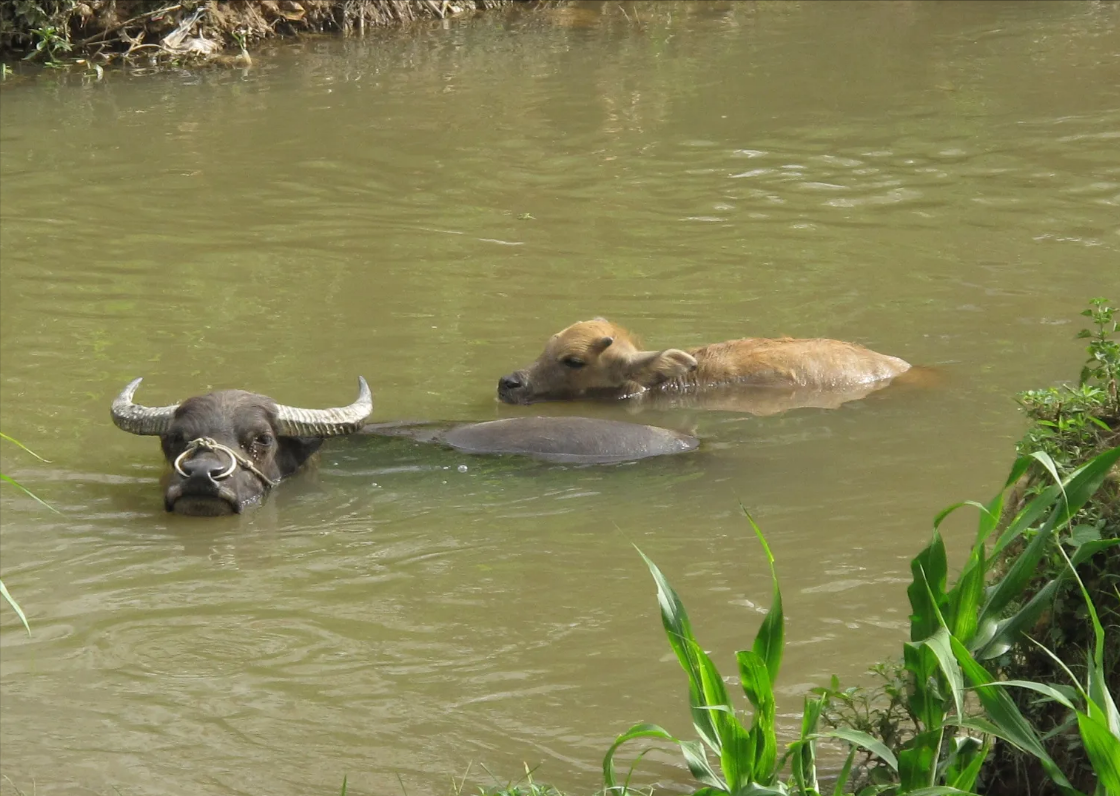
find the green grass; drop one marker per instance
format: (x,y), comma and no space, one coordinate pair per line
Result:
(9,480)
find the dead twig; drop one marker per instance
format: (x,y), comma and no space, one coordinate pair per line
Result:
(110,30)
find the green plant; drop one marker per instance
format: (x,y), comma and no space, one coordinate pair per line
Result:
(50,42)
(1099,723)
(1062,507)
(525,786)
(15,606)
(8,479)
(953,629)
(1103,366)
(1071,423)
(881,711)
(747,757)
(748,761)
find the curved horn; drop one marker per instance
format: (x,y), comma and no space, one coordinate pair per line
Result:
(296,422)
(137,419)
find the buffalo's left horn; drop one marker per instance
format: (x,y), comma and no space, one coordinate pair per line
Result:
(137,419)
(296,422)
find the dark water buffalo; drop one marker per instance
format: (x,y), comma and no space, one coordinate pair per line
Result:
(599,359)
(228,448)
(573,440)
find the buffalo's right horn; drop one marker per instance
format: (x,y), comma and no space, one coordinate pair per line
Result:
(296,422)
(137,419)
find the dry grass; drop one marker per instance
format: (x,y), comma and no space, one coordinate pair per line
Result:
(102,31)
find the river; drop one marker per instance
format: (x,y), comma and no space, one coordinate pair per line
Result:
(424,207)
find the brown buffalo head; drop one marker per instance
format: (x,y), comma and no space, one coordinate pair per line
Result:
(228,448)
(592,359)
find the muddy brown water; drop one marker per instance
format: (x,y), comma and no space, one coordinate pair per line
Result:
(424,207)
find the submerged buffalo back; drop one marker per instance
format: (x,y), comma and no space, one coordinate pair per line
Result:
(582,440)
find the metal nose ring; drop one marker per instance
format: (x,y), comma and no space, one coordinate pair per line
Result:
(196,445)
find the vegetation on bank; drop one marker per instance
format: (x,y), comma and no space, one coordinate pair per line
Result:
(95,33)
(1070,424)
(1007,683)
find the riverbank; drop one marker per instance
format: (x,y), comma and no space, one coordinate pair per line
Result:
(101,32)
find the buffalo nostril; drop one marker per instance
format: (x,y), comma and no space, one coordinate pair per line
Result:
(510,382)
(203,467)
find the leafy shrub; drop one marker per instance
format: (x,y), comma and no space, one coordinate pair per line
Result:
(1070,424)
(955,706)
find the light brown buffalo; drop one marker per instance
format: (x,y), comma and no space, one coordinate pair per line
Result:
(599,359)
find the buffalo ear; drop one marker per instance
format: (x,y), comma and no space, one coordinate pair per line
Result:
(601,345)
(295,451)
(650,368)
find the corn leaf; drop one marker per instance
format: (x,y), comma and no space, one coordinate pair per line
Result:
(938,644)
(1042,688)
(965,598)
(770,639)
(1083,482)
(698,764)
(924,699)
(1048,464)
(1028,516)
(927,590)
(23,447)
(1021,571)
(803,753)
(755,789)
(963,766)
(993,638)
(1103,748)
(1004,715)
(736,747)
(917,763)
(28,492)
(1087,550)
(643,730)
(945,512)
(845,773)
(755,679)
(1101,704)
(15,606)
(679,632)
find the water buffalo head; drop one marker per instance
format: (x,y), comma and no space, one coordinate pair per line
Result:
(228,448)
(592,359)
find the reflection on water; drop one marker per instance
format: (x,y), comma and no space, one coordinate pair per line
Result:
(423,207)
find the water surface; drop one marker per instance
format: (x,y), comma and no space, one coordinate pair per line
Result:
(424,207)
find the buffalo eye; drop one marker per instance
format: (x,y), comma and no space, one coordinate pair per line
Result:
(575,363)
(264,440)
